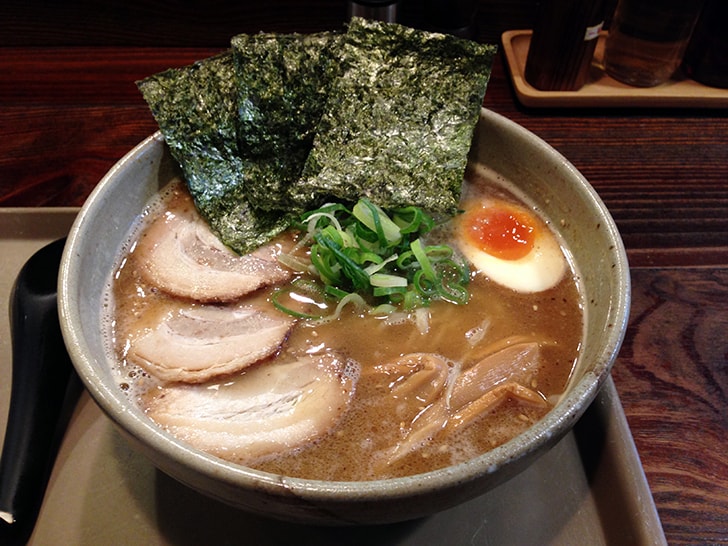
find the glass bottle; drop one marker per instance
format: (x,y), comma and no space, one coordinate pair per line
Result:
(647,39)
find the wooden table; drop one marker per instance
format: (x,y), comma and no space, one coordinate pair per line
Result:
(67,114)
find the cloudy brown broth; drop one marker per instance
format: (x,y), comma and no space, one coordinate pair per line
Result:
(360,445)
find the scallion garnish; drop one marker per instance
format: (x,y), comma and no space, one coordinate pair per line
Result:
(366,255)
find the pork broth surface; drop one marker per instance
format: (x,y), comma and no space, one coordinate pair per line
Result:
(405,376)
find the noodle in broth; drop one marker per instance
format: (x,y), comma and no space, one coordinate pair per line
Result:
(411,406)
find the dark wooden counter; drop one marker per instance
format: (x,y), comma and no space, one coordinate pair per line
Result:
(68,113)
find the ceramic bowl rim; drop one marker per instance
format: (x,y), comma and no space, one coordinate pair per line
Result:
(554,425)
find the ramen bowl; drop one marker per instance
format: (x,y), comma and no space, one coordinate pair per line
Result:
(560,192)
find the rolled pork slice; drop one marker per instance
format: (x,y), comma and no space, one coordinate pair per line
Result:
(194,343)
(180,254)
(272,407)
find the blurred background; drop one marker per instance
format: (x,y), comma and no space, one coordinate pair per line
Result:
(211,23)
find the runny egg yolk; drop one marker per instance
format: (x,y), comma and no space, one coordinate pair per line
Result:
(503,231)
(510,245)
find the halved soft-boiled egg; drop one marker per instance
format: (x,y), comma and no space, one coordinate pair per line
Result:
(511,245)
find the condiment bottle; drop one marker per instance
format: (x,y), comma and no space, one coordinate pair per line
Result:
(456,17)
(647,39)
(379,10)
(563,42)
(706,59)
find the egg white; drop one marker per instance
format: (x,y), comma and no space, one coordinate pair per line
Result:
(542,268)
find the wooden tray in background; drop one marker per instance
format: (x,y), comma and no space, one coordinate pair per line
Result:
(601,90)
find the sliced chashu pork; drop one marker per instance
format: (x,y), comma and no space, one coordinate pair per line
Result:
(181,255)
(194,343)
(270,408)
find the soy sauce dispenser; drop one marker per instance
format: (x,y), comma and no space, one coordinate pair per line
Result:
(563,42)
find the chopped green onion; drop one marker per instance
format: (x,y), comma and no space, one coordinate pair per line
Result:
(352,298)
(387,280)
(327,268)
(413,220)
(336,293)
(407,260)
(376,266)
(369,256)
(303,296)
(293,262)
(388,291)
(377,221)
(349,267)
(383,309)
(425,264)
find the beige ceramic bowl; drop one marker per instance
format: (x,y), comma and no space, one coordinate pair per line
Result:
(514,153)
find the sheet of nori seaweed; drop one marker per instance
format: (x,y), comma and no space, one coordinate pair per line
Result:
(283,81)
(399,119)
(196,110)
